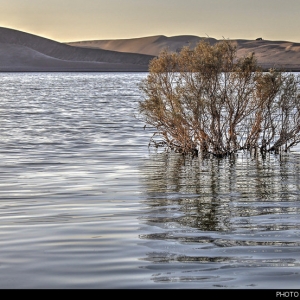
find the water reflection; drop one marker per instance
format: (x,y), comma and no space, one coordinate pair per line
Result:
(221,194)
(207,217)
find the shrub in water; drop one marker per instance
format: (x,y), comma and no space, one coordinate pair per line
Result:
(207,99)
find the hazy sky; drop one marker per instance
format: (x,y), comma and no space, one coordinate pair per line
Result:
(74,20)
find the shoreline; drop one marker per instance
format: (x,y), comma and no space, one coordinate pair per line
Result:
(294,70)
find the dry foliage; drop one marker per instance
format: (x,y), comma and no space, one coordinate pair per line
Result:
(206,99)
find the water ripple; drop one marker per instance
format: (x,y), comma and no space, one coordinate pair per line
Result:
(85,204)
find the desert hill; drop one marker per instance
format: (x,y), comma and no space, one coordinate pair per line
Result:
(146,45)
(269,54)
(21,51)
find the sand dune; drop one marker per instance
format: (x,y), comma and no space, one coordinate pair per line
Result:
(269,53)
(21,51)
(148,45)
(16,58)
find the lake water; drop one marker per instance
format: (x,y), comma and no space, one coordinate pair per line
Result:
(85,204)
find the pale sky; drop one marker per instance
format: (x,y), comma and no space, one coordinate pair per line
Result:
(78,20)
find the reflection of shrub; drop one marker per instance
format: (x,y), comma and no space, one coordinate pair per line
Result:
(206,99)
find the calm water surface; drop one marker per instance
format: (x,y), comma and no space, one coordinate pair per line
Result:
(85,204)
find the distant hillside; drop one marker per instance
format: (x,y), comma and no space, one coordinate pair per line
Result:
(146,45)
(20,51)
(269,53)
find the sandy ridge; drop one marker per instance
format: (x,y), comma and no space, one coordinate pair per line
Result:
(281,54)
(21,51)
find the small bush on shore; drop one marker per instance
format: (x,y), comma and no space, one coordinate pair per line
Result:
(208,100)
